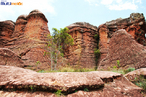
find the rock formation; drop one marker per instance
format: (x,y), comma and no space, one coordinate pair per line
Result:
(16,81)
(36,25)
(20,25)
(26,40)
(134,25)
(135,75)
(123,47)
(6,31)
(82,52)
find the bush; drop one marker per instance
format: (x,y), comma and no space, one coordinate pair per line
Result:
(129,70)
(141,82)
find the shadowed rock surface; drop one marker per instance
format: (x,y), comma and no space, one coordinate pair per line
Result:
(99,84)
(82,52)
(123,47)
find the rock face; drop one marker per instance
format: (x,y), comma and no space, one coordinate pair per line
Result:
(40,29)
(6,31)
(26,40)
(123,47)
(82,52)
(99,84)
(134,25)
(20,26)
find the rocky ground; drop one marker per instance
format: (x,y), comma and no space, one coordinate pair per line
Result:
(18,82)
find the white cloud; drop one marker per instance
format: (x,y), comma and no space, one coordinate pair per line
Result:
(124,6)
(118,4)
(44,6)
(106,2)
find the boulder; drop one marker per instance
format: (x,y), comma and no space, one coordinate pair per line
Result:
(134,75)
(15,81)
(82,52)
(124,48)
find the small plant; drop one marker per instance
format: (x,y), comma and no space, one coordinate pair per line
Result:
(129,70)
(38,62)
(58,93)
(86,89)
(118,63)
(114,67)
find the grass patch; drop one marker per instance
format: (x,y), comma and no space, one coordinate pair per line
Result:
(68,69)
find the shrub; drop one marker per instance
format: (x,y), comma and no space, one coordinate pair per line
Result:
(129,70)
(141,82)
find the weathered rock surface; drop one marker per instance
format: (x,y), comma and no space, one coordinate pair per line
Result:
(6,28)
(99,84)
(26,40)
(123,47)
(134,75)
(82,52)
(6,31)
(134,25)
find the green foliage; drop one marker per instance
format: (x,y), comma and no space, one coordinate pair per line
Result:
(141,82)
(114,67)
(118,63)
(86,89)
(56,43)
(129,70)
(97,55)
(62,38)
(58,93)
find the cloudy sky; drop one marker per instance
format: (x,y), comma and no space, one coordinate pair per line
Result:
(61,13)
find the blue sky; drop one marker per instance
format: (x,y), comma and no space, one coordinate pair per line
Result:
(61,13)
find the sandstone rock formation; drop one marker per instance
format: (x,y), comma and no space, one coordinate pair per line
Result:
(16,81)
(123,47)
(26,40)
(36,25)
(6,31)
(134,25)
(82,52)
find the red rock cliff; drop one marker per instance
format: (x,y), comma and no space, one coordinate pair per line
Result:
(82,52)
(25,41)
(134,25)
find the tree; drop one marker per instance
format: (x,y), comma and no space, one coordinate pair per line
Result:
(59,40)
(62,38)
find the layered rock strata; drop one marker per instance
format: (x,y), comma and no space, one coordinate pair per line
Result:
(26,39)
(82,52)
(134,25)
(124,48)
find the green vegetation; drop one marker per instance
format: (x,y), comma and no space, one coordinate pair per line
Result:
(86,89)
(141,82)
(118,63)
(56,44)
(68,69)
(58,93)
(96,50)
(129,70)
